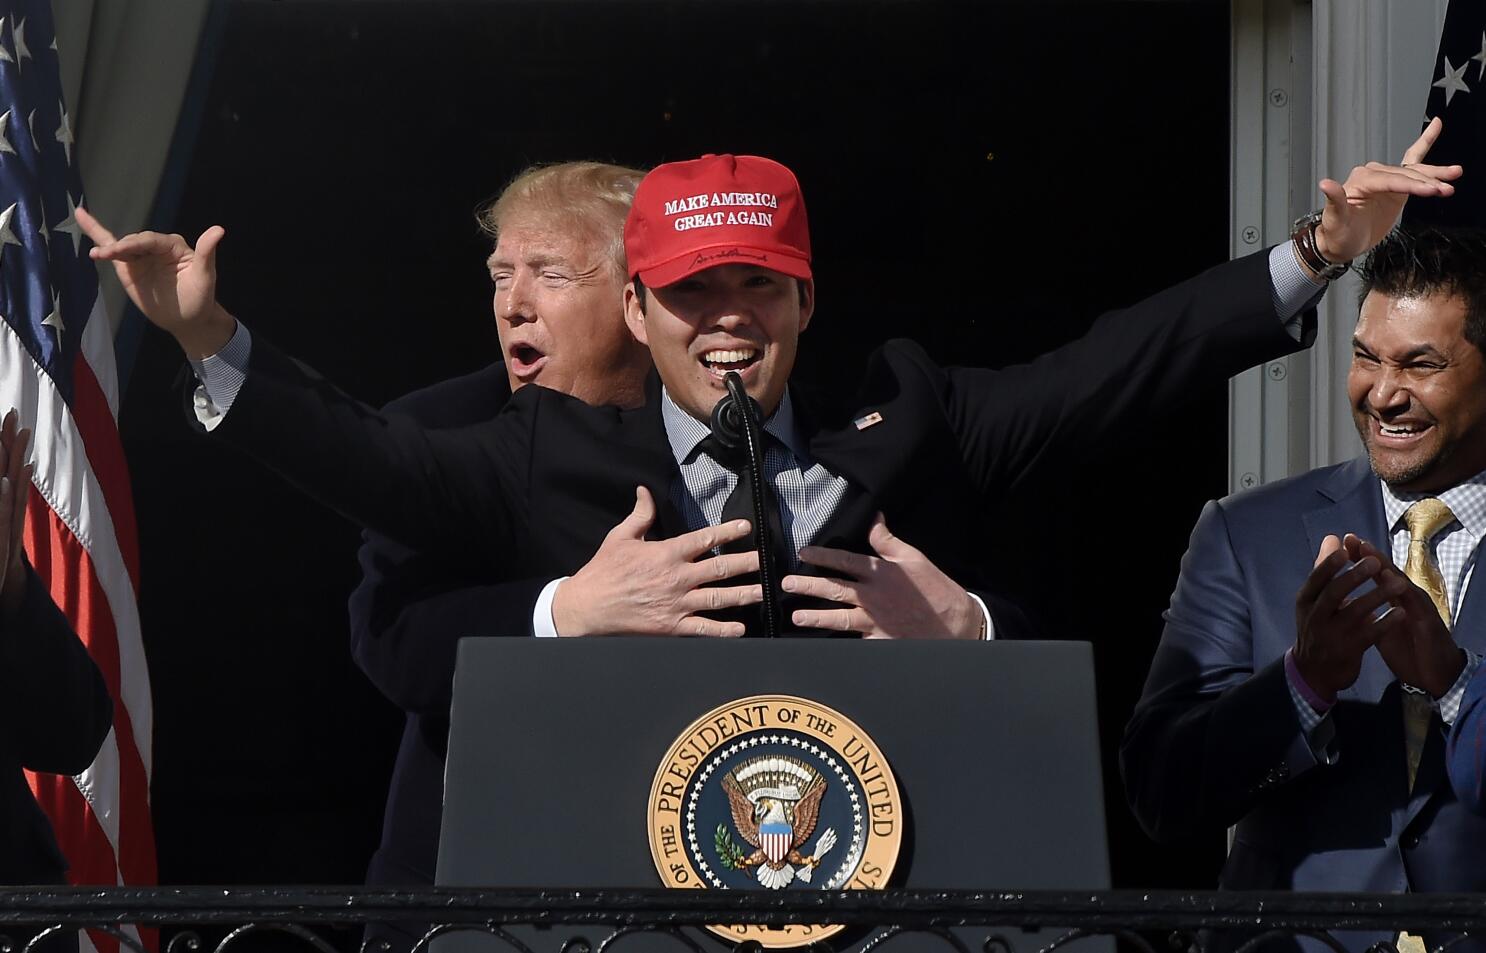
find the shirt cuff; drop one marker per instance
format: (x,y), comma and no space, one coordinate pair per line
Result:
(222,375)
(985,614)
(542,625)
(1449,703)
(1294,291)
(1308,705)
(1317,731)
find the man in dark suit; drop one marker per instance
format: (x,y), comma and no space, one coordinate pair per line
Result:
(719,260)
(57,711)
(1313,724)
(411,608)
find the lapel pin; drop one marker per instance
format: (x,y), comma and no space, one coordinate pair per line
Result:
(872,419)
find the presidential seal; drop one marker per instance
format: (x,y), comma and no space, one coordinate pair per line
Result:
(775,792)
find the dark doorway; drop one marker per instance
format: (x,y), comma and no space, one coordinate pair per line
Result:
(984,177)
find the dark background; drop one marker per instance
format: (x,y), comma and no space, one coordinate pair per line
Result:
(983,177)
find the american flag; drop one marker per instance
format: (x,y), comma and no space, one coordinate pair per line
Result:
(1457,92)
(57,368)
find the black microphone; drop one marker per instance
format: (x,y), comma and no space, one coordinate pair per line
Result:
(729,419)
(736,424)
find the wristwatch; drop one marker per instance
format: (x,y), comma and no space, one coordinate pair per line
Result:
(1303,236)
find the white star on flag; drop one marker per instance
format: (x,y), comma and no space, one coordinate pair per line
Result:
(18,29)
(1453,81)
(7,235)
(5,145)
(1481,56)
(54,320)
(70,225)
(64,133)
(58,369)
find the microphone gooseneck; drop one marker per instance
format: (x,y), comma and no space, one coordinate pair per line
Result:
(735,424)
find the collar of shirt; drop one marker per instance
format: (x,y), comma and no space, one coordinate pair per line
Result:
(1466,500)
(685,431)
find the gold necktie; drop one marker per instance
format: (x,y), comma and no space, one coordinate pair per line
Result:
(1424,519)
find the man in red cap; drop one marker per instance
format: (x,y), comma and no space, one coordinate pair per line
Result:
(719,256)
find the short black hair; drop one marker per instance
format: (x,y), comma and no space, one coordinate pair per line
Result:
(640,291)
(1423,260)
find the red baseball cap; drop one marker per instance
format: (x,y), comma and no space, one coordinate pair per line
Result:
(716,210)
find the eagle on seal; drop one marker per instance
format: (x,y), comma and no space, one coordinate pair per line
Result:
(775,804)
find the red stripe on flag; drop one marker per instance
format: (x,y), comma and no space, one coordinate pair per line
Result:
(75,588)
(59,558)
(74,824)
(100,434)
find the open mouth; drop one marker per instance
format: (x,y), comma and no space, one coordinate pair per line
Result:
(1400,433)
(526,361)
(720,361)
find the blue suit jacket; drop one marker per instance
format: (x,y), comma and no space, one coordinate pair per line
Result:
(1467,750)
(1215,740)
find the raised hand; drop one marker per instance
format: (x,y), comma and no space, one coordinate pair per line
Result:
(895,594)
(1419,648)
(15,485)
(174,284)
(1333,627)
(1360,211)
(635,586)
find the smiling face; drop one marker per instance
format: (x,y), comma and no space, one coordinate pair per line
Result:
(1418,391)
(730,318)
(560,316)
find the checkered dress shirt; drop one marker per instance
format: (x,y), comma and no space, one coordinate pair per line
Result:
(1454,549)
(808,493)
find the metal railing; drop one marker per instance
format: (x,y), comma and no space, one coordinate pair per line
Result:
(1182,921)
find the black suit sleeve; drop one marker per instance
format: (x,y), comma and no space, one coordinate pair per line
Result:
(57,710)
(460,493)
(1132,363)
(412,608)
(410,611)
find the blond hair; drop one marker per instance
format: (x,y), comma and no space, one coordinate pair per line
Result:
(592,198)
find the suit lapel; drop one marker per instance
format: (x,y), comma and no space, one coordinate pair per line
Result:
(1468,627)
(1352,502)
(859,449)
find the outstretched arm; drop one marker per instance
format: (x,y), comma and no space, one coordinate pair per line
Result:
(427,489)
(1136,362)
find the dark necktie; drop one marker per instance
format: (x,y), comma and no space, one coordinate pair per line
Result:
(739,505)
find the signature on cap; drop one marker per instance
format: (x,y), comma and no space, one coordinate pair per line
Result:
(731,253)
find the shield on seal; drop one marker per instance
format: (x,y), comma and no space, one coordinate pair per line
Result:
(775,838)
